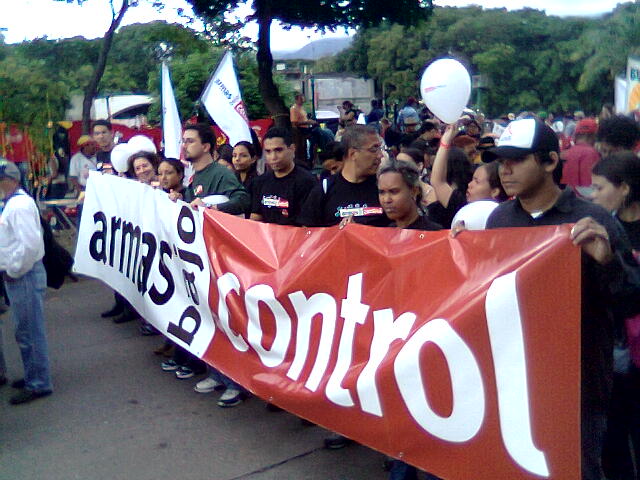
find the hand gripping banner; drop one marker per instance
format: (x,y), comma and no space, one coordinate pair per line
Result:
(460,356)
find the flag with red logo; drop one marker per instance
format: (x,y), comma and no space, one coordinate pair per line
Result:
(222,99)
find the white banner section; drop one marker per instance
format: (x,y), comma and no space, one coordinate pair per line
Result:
(171,124)
(150,250)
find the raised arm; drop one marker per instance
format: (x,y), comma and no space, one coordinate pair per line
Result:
(439,183)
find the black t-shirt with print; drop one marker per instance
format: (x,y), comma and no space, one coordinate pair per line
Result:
(279,200)
(444,216)
(343,198)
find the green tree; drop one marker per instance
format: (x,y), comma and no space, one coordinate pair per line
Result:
(30,97)
(528,57)
(320,14)
(190,74)
(604,47)
(135,52)
(91,90)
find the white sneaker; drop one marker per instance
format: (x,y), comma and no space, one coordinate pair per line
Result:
(230,398)
(207,385)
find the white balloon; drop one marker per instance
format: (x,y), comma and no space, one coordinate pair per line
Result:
(475,214)
(445,89)
(141,143)
(120,157)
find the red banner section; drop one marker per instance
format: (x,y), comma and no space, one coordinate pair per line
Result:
(15,143)
(459,356)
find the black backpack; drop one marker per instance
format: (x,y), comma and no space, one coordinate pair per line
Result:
(57,260)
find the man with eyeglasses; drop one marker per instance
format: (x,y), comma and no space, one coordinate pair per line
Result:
(352,193)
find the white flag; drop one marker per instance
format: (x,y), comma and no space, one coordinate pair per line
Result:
(171,124)
(222,99)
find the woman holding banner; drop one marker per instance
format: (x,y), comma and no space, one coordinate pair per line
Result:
(399,192)
(143,166)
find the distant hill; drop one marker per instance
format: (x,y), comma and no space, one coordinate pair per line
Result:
(325,47)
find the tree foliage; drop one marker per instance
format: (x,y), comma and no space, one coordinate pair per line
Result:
(37,78)
(604,47)
(190,74)
(319,14)
(531,60)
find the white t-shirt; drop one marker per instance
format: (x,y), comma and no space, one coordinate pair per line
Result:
(80,166)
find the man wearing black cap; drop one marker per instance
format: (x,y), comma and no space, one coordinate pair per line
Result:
(530,172)
(21,252)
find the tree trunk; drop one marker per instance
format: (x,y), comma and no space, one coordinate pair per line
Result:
(268,89)
(92,89)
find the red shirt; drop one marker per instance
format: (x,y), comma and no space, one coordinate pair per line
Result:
(578,161)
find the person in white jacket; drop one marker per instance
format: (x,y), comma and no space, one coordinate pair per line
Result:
(21,253)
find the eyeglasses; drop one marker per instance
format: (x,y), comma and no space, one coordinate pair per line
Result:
(373,149)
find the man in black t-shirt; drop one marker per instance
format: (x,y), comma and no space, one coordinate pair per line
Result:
(352,193)
(277,195)
(102,133)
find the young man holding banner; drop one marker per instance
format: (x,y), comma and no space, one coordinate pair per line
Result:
(530,171)
(198,143)
(352,193)
(278,194)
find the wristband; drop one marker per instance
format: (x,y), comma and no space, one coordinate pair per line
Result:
(444,145)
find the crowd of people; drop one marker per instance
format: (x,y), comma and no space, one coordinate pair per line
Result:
(410,173)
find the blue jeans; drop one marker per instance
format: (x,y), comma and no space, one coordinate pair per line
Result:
(223,379)
(26,295)
(3,364)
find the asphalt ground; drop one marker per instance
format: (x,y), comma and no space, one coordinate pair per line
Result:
(115,414)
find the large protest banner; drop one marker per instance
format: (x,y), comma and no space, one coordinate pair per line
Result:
(460,356)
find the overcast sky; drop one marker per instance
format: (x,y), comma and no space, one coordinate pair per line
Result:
(29,19)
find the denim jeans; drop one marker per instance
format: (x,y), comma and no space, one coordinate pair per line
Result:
(3,364)
(26,295)
(223,379)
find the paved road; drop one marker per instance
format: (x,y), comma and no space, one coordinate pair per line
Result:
(115,415)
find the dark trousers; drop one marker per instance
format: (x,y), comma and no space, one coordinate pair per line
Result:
(3,291)
(183,358)
(594,426)
(621,452)
(403,471)
(122,302)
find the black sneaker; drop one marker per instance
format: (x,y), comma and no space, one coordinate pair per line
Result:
(26,396)
(125,317)
(148,330)
(336,441)
(3,380)
(19,384)
(113,312)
